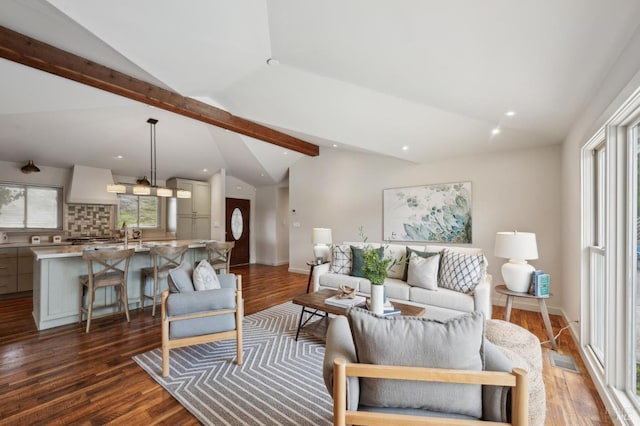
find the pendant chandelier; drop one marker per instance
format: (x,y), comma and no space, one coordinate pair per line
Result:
(146,186)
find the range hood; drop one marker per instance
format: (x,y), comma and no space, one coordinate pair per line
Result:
(89,186)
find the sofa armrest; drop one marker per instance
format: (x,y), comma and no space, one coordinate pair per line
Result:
(340,344)
(482,297)
(317,271)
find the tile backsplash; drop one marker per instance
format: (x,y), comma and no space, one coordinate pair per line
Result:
(90,220)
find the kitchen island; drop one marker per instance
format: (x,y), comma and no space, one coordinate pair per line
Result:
(56,272)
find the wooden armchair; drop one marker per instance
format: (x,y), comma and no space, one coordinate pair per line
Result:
(407,370)
(517,379)
(194,317)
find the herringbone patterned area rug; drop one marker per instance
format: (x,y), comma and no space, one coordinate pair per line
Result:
(279,383)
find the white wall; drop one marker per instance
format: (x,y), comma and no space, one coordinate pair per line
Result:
(265,230)
(235,188)
(621,81)
(518,190)
(10,172)
(282,226)
(272,225)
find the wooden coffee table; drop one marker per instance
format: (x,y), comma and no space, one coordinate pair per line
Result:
(313,304)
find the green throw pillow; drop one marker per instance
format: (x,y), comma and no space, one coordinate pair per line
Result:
(357,260)
(424,254)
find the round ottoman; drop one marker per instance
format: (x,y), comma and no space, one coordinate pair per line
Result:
(523,349)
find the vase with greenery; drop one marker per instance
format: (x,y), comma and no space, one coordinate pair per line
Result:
(374,268)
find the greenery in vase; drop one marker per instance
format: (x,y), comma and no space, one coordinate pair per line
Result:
(375,266)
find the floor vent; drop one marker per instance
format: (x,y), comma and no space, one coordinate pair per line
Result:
(565,362)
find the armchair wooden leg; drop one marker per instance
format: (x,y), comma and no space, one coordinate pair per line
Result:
(239,317)
(165,336)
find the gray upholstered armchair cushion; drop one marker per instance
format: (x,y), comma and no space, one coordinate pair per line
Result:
(203,301)
(340,344)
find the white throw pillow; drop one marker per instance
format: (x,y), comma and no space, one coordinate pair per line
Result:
(423,272)
(205,277)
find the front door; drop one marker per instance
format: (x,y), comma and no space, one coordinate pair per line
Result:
(237,212)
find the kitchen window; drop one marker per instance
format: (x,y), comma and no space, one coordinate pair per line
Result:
(138,211)
(26,207)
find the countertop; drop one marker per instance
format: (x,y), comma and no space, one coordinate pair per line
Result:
(25,244)
(61,251)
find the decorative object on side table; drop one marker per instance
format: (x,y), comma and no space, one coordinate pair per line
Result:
(321,243)
(518,247)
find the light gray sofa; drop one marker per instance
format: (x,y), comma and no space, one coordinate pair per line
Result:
(442,303)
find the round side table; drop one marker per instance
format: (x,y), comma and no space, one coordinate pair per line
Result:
(502,289)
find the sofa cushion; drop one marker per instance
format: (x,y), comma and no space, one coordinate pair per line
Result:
(443,298)
(459,271)
(423,271)
(341,259)
(409,252)
(332,280)
(420,342)
(205,277)
(393,288)
(179,279)
(357,260)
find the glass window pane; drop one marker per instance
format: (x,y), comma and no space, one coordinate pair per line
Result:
(148,212)
(127,210)
(12,203)
(138,211)
(41,202)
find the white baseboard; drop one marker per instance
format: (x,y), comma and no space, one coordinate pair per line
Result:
(299,271)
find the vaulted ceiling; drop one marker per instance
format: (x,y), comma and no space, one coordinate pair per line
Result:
(435,77)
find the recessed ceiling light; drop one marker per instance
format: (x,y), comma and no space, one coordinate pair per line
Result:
(119,157)
(205,170)
(405,148)
(262,174)
(495,131)
(285,153)
(335,145)
(510,113)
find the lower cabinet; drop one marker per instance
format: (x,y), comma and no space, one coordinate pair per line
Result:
(8,270)
(25,269)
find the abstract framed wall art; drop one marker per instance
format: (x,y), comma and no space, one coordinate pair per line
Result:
(428,213)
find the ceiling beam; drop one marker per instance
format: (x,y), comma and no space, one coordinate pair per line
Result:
(19,48)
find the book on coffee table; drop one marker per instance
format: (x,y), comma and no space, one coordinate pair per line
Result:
(345,303)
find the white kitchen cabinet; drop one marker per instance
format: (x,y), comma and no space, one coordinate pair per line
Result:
(193,214)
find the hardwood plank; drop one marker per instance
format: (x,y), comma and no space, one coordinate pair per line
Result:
(27,51)
(64,375)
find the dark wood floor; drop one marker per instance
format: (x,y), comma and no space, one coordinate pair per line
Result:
(64,376)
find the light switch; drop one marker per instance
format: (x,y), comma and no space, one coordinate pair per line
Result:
(296,224)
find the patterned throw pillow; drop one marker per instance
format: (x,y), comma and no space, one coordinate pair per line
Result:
(461,272)
(341,259)
(205,277)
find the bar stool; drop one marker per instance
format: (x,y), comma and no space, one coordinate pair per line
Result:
(106,269)
(165,258)
(219,254)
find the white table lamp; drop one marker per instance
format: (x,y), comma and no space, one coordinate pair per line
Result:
(518,247)
(321,243)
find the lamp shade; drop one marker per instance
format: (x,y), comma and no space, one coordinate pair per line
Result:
(321,236)
(516,245)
